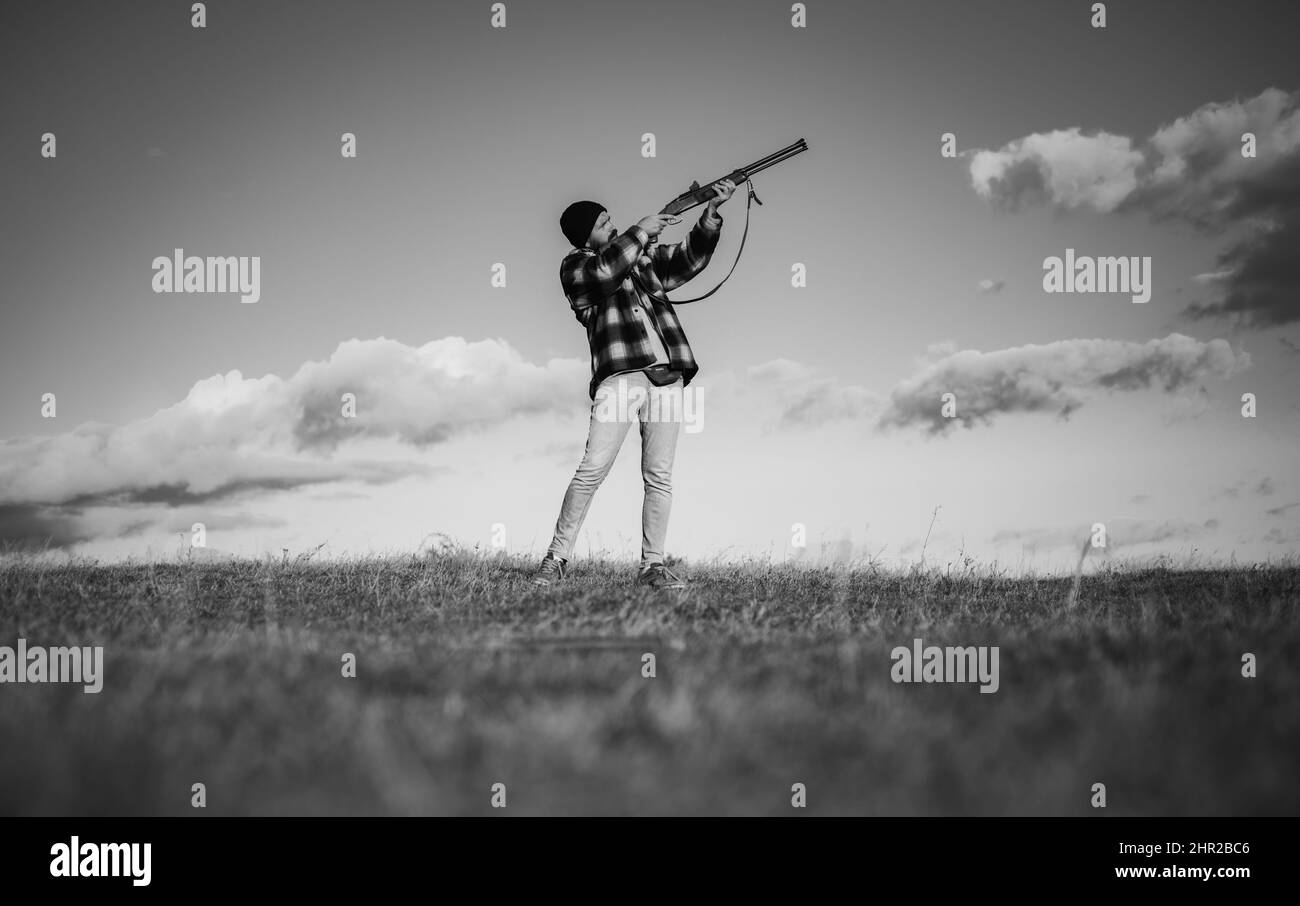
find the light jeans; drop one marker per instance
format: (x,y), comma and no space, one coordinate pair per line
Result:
(620,399)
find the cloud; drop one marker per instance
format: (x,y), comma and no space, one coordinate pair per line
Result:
(426,395)
(1191,170)
(1281,510)
(1055,378)
(1120,534)
(990,286)
(28,525)
(1064,168)
(1262,488)
(1197,172)
(1189,407)
(805,397)
(1275,535)
(1264,286)
(1215,277)
(233,437)
(568,452)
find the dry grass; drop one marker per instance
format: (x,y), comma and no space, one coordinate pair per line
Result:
(768,674)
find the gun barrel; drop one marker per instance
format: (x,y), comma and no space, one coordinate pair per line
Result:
(696,197)
(785,153)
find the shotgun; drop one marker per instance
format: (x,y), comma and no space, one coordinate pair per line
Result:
(697,195)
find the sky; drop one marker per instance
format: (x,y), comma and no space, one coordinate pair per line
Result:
(820,433)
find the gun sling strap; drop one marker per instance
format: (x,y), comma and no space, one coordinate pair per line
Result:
(750,197)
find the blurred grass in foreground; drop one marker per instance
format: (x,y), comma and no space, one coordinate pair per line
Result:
(768,674)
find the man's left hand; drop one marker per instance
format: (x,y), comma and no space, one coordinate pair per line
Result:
(723,190)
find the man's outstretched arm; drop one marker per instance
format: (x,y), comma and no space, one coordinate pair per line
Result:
(590,278)
(675,264)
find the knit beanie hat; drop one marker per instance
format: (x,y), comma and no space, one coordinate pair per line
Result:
(578,219)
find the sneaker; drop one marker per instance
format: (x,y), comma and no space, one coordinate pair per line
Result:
(656,575)
(551,570)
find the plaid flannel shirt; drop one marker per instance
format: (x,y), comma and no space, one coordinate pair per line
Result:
(602,295)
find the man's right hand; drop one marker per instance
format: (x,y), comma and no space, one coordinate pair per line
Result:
(655,223)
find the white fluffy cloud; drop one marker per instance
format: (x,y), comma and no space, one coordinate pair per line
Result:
(1066,167)
(233,434)
(1191,170)
(1198,172)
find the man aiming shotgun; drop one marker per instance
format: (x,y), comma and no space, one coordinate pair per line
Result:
(616,285)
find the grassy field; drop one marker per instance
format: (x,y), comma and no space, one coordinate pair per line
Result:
(767,675)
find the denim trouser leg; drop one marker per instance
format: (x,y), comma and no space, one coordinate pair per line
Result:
(619,400)
(658,446)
